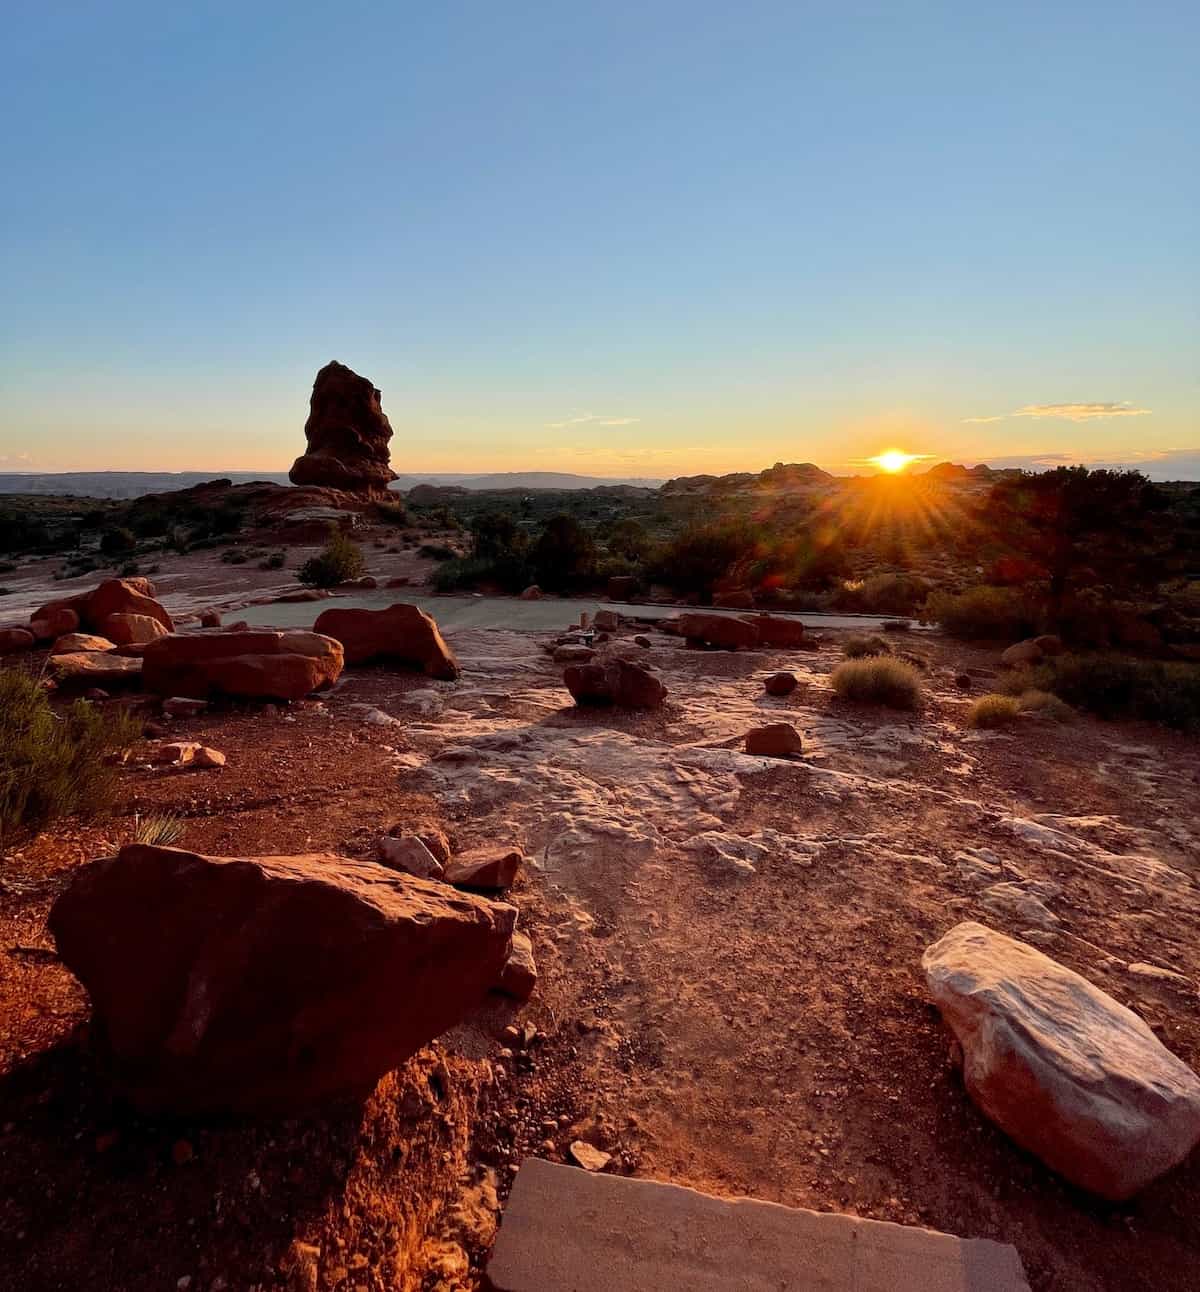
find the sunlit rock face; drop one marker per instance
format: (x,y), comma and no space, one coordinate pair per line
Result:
(347,433)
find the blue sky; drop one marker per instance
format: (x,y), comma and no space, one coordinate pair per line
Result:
(636,239)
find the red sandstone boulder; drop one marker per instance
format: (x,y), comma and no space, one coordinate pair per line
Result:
(253,665)
(726,632)
(132,630)
(781,684)
(124,597)
(54,621)
(269,983)
(347,433)
(69,643)
(13,640)
(777,740)
(519,976)
(1072,1075)
(100,668)
(615,681)
(782,633)
(402,632)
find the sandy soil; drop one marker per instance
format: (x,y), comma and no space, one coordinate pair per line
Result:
(729,947)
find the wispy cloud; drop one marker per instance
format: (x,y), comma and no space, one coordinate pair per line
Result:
(594,419)
(1069,412)
(15,459)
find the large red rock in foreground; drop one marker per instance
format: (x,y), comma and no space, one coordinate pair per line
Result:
(1073,1076)
(347,433)
(401,632)
(89,610)
(252,665)
(268,983)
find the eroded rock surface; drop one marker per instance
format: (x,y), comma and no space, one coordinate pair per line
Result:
(259,665)
(347,433)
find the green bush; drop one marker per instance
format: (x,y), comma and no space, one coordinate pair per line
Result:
(862,647)
(341,561)
(437,552)
(392,510)
(510,573)
(893,594)
(1046,705)
(993,711)
(1120,686)
(984,613)
(53,764)
(117,540)
(878,680)
(700,557)
(564,556)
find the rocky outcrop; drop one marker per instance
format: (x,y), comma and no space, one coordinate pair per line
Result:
(347,434)
(726,632)
(252,665)
(615,681)
(131,630)
(269,983)
(1073,1076)
(402,632)
(90,611)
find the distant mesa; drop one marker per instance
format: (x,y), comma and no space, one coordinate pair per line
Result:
(956,471)
(347,433)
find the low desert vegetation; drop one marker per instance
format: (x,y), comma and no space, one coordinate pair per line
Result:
(161,828)
(863,647)
(991,711)
(54,763)
(984,614)
(878,679)
(1119,686)
(341,561)
(1045,705)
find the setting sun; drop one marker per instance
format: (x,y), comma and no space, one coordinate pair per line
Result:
(893,460)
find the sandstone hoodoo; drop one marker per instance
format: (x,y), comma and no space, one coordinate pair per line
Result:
(347,433)
(269,983)
(1073,1076)
(403,632)
(250,665)
(615,681)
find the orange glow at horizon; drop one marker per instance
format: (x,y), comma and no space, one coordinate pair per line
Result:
(893,461)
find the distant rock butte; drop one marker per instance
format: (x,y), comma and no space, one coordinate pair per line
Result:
(347,433)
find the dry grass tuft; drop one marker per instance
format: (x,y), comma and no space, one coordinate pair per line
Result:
(879,679)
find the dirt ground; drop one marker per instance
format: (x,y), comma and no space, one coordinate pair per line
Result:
(729,947)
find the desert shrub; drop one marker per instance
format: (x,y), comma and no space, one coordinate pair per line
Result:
(116,540)
(341,561)
(893,594)
(391,510)
(627,538)
(861,647)
(701,556)
(1120,686)
(564,555)
(878,680)
(1046,705)
(993,711)
(437,552)
(162,828)
(275,561)
(235,556)
(992,614)
(53,764)
(510,573)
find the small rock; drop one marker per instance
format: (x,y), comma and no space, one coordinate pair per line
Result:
(531,593)
(963,681)
(485,868)
(206,757)
(519,976)
(642,640)
(777,740)
(572,654)
(606,621)
(210,619)
(781,683)
(409,854)
(589,1157)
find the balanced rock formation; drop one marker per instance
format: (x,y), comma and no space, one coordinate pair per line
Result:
(1073,1076)
(268,983)
(347,433)
(252,665)
(614,681)
(402,632)
(726,632)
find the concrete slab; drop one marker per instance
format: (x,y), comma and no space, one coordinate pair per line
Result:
(566,1230)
